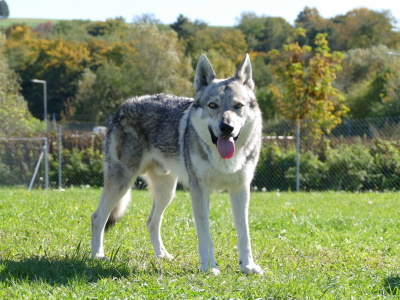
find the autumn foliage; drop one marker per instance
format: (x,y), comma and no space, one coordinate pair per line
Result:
(305,90)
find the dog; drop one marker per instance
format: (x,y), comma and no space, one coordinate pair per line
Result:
(208,143)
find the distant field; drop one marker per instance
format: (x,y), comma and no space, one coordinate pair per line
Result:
(35,22)
(29,22)
(328,245)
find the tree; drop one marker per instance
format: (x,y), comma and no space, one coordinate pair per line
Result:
(370,81)
(146,18)
(151,62)
(304,90)
(15,118)
(186,28)
(58,62)
(264,33)
(363,28)
(313,23)
(359,28)
(224,47)
(116,27)
(4,12)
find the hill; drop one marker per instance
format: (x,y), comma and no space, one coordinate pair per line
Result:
(30,22)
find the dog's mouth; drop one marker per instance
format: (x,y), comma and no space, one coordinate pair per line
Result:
(225,144)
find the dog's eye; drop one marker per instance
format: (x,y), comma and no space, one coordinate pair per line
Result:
(212,105)
(239,105)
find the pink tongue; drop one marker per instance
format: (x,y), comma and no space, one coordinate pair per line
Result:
(226,147)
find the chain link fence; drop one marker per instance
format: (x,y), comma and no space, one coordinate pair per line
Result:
(358,155)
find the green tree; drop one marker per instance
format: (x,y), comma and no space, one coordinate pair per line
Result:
(252,27)
(363,28)
(111,27)
(313,23)
(4,11)
(152,62)
(359,28)
(224,47)
(15,118)
(264,33)
(304,90)
(71,30)
(370,81)
(186,28)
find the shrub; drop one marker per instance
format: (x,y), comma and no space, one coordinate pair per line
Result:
(386,156)
(348,168)
(84,167)
(277,169)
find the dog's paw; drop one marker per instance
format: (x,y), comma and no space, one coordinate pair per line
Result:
(251,268)
(205,267)
(215,271)
(165,255)
(100,257)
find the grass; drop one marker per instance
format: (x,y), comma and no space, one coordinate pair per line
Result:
(30,22)
(310,245)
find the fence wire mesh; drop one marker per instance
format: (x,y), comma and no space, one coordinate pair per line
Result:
(19,158)
(357,155)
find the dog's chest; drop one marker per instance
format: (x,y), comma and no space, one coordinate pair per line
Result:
(218,176)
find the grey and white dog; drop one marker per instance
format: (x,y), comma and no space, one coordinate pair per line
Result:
(208,143)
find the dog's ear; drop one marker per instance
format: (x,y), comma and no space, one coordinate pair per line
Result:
(204,73)
(244,73)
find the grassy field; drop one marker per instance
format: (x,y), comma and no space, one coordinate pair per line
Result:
(30,22)
(315,245)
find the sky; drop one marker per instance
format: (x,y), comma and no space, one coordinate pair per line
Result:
(213,12)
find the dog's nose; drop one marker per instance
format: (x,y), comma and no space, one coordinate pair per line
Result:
(225,128)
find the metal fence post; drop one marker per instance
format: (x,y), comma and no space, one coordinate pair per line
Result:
(46,162)
(348,127)
(297,155)
(59,158)
(37,167)
(54,121)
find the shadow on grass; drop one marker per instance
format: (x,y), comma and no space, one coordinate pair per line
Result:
(392,285)
(55,271)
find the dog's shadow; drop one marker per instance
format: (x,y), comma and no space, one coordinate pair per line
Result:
(55,271)
(392,285)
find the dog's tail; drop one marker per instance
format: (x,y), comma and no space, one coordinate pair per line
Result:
(118,212)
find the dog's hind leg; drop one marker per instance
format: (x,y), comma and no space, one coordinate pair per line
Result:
(163,190)
(113,202)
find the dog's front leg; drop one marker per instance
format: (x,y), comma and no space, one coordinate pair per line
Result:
(201,207)
(240,199)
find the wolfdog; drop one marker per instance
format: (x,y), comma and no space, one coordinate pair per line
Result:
(208,143)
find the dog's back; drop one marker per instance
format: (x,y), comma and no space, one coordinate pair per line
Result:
(152,121)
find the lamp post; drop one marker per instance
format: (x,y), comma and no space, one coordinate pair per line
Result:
(44,96)
(46,162)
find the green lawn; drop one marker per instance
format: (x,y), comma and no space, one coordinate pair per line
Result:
(330,245)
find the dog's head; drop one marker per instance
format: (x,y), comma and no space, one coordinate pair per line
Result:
(225,105)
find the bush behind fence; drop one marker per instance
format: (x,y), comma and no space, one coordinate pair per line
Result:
(357,155)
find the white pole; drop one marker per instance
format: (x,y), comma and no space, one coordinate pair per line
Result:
(37,168)
(45,102)
(59,158)
(46,162)
(297,155)
(45,122)
(44,97)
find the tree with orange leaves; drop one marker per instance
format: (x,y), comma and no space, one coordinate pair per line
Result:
(305,88)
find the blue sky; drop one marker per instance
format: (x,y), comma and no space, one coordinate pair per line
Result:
(214,12)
